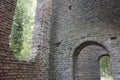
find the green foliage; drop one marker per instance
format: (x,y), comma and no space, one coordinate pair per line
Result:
(105,66)
(21,34)
(17,32)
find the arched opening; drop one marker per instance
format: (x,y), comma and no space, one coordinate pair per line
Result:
(85,61)
(105,68)
(22,28)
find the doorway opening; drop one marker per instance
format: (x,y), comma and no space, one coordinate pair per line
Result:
(105,68)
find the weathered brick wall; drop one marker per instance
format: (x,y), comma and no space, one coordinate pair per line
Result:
(77,21)
(34,68)
(60,29)
(10,67)
(37,65)
(41,39)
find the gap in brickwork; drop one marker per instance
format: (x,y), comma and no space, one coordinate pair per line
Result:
(22,28)
(113,38)
(70,7)
(105,68)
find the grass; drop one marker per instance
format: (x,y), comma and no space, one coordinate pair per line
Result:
(107,78)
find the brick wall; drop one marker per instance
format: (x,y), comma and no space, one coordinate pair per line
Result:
(86,64)
(36,68)
(55,42)
(10,67)
(77,21)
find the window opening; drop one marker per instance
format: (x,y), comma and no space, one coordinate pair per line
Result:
(22,28)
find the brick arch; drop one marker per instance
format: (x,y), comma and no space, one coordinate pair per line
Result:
(88,53)
(87,43)
(103,56)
